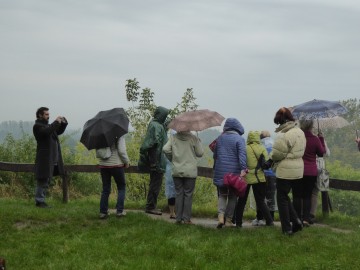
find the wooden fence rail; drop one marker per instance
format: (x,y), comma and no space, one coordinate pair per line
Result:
(202,172)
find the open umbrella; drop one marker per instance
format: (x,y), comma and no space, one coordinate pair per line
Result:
(332,123)
(196,120)
(316,109)
(102,130)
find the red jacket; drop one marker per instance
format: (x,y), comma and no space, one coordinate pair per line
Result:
(315,146)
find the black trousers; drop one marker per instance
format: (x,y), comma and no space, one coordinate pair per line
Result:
(302,196)
(154,189)
(259,194)
(286,209)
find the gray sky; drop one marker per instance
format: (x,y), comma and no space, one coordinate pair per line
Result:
(244,59)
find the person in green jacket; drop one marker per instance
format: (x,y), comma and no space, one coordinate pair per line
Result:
(152,157)
(255,179)
(183,150)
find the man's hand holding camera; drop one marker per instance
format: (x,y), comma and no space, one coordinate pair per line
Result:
(61,119)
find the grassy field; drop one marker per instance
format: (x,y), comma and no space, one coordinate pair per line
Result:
(70,236)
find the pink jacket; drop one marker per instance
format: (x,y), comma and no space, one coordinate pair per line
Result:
(315,146)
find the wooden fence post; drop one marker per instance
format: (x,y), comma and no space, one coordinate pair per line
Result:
(325,202)
(65,187)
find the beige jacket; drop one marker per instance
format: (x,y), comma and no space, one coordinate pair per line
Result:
(183,150)
(287,152)
(118,156)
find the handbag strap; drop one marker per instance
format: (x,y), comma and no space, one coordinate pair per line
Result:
(256,168)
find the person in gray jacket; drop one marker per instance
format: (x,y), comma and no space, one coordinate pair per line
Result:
(183,149)
(113,166)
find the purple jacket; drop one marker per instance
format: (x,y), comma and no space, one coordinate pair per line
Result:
(315,146)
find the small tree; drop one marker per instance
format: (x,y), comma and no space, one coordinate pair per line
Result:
(140,114)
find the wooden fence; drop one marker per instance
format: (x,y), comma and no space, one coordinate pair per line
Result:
(202,172)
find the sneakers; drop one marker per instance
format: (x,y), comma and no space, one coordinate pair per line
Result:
(153,212)
(188,222)
(228,223)
(103,215)
(121,214)
(42,205)
(257,222)
(261,222)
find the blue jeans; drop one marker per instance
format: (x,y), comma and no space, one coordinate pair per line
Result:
(119,177)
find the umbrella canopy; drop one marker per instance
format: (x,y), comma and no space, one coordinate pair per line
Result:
(317,109)
(196,120)
(102,130)
(332,123)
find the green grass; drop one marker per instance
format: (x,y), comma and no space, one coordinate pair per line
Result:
(70,236)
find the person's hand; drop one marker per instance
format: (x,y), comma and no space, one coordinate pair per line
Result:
(59,119)
(244,172)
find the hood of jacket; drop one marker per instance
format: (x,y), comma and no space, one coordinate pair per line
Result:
(233,124)
(253,137)
(286,127)
(184,135)
(160,114)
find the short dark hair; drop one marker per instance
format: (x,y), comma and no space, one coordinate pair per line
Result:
(282,116)
(41,111)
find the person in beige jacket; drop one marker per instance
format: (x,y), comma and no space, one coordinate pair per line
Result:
(287,153)
(183,150)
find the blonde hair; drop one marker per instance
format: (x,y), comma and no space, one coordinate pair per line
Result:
(306,124)
(264,134)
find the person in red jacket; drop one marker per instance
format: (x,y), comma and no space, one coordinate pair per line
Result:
(315,146)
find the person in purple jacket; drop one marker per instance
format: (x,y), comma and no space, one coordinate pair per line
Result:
(315,146)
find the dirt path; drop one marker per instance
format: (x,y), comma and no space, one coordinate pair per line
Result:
(212,222)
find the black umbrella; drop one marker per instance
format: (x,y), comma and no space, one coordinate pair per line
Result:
(102,130)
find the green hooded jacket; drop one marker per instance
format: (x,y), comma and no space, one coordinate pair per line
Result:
(151,154)
(254,149)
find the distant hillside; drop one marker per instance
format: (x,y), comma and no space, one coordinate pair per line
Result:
(17,129)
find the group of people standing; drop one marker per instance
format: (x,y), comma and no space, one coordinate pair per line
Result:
(292,156)
(178,154)
(292,166)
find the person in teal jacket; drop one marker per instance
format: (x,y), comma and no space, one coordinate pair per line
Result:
(152,157)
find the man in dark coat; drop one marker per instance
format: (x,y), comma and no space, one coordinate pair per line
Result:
(152,157)
(48,161)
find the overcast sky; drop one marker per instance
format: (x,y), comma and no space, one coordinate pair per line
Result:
(244,59)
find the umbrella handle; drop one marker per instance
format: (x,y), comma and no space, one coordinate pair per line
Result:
(318,125)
